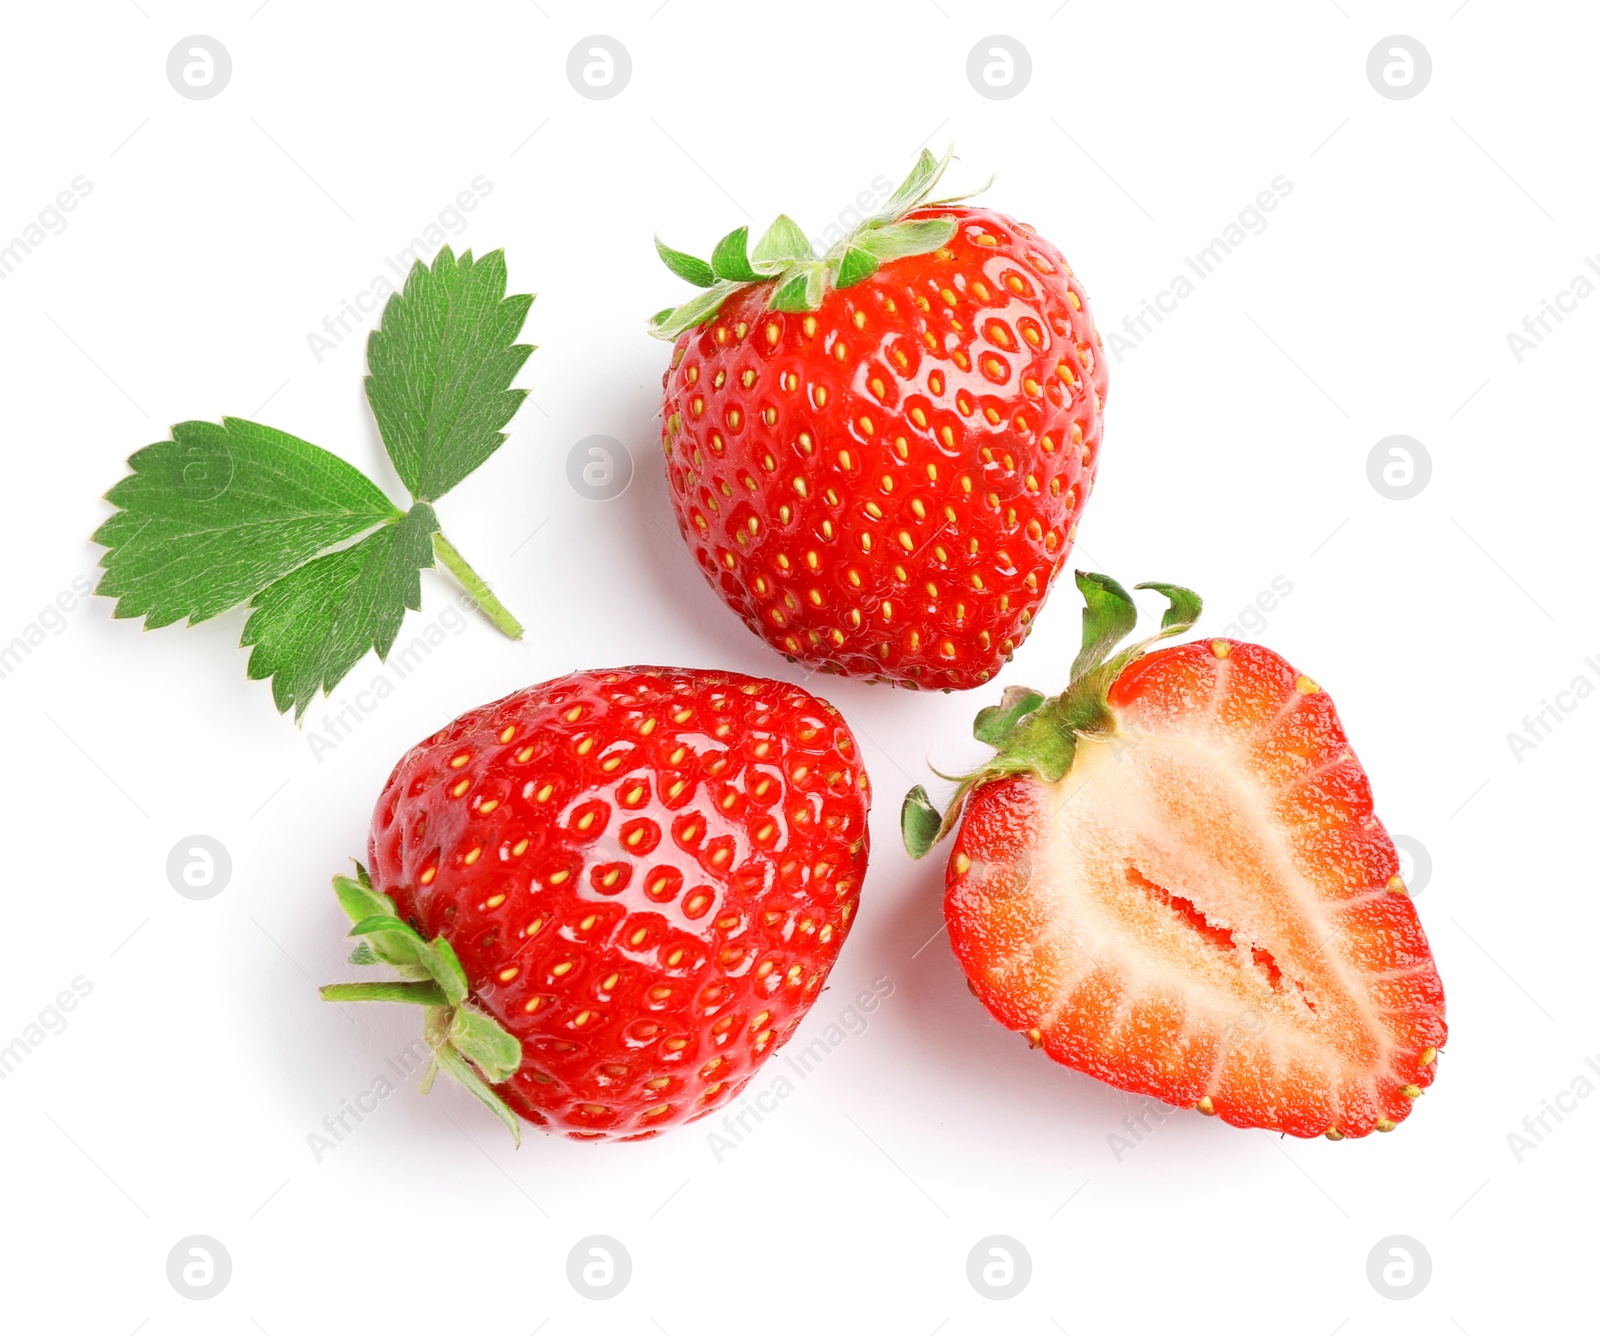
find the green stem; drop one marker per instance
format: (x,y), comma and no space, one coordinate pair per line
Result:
(491,607)
(1038,735)
(425,992)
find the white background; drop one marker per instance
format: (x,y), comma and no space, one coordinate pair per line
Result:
(217,236)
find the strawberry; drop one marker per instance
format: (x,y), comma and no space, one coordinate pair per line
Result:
(617,893)
(1170,877)
(879,457)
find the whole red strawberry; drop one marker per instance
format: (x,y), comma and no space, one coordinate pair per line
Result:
(1171,877)
(879,457)
(615,893)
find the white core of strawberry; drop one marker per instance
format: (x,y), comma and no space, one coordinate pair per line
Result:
(1162,875)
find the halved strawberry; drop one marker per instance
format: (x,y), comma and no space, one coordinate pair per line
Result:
(1171,877)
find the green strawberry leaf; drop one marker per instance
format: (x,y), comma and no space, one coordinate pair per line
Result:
(995,722)
(382,923)
(919,236)
(920,823)
(780,246)
(440,369)
(1039,735)
(219,512)
(925,172)
(469,1045)
(686,267)
(385,937)
(452,1062)
(791,293)
(359,899)
(312,627)
(440,960)
(784,259)
(1109,614)
(227,514)
(671,323)
(856,266)
(731,261)
(488,1044)
(1183,608)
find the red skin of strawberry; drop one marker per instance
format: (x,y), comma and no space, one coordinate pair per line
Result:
(647,875)
(887,486)
(1304,1000)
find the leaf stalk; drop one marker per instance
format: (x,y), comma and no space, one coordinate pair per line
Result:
(474,585)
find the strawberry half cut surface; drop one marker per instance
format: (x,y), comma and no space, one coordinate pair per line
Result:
(1170,877)
(616,894)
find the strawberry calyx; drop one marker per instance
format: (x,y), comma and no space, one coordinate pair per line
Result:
(799,277)
(468,1045)
(1035,734)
